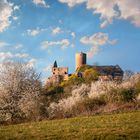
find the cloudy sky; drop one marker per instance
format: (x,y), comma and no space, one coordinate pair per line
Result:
(42,31)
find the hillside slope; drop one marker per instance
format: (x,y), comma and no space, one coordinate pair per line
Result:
(115,126)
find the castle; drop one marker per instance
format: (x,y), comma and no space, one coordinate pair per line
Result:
(106,73)
(58,74)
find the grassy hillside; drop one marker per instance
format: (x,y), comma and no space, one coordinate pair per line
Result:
(115,126)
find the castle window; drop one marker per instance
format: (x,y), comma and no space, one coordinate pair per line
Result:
(53,72)
(65,72)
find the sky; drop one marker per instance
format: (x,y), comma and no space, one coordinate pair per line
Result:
(41,31)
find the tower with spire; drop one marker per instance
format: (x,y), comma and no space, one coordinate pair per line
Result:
(55,64)
(58,74)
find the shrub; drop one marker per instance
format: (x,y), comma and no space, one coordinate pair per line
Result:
(137,87)
(73,80)
(88,98)
(90,75)
(91,103)
(83,68)
(64,106)
(54,90)
(128,95)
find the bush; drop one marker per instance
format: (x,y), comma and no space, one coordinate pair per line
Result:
(128,95)
(137,87)
(98,97)
(90,75)
(90,104)
(121,95)
(54,90)
(83,68)
(73,80)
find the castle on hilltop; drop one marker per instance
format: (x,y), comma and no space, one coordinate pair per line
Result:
(106,73)
(58,74)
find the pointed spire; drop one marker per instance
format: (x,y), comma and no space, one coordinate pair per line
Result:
(55,64)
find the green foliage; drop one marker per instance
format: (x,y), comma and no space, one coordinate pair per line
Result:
(53,94)
(83,68)
(73,80)
(89,104)
(127,95)
(137,87)
(54,90)
(104,127)
(91,75)
(120,95)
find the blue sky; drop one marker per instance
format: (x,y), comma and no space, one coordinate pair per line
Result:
(42,31)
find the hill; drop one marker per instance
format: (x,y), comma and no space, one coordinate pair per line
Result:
(106,127)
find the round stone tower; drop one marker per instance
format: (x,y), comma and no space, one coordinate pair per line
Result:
(80,59)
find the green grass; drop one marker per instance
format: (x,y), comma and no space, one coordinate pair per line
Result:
(103,127)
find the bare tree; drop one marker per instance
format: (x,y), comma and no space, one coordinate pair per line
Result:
(20,89)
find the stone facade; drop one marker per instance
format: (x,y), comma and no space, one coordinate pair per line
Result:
(108,73)
(80,59)
(58,74)
(60,71)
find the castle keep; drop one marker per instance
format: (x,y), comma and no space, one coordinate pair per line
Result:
(106,73)
(80,59)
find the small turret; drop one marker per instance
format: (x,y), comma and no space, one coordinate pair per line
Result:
(55,64)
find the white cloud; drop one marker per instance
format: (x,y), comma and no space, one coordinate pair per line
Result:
(41,3)
(18,46)
(9,55)
(6,13)
(130,10)
(63,44)
(16,7)
(32,32)
(3,44)
(93,51)
(95,41)
(21,55)
(10,52)
(72,3)
(105,9)
(73,34)
(31,62)
(35,32)
(57,30)
(15,18)
(111,9)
